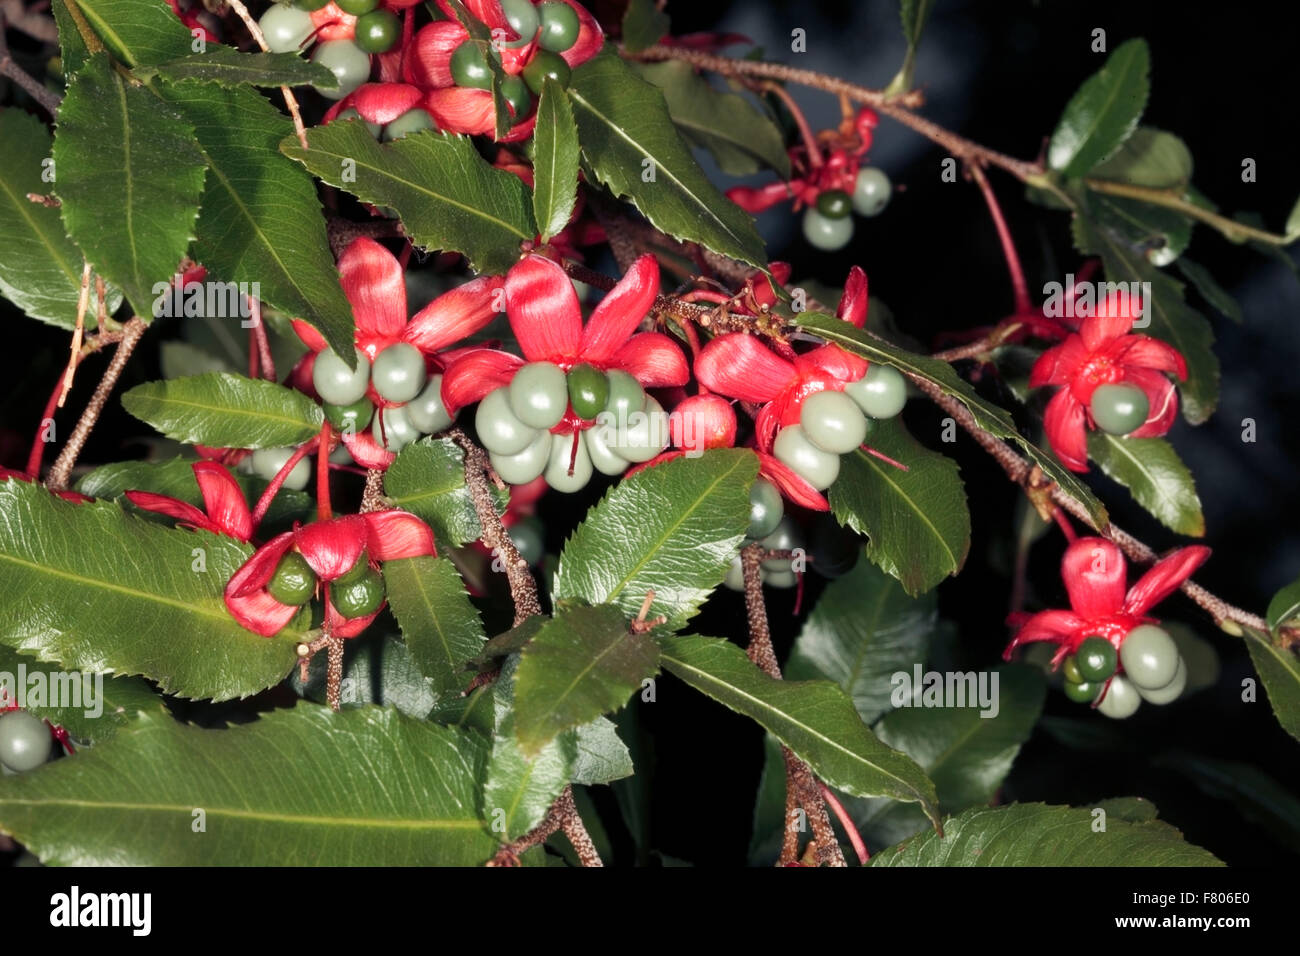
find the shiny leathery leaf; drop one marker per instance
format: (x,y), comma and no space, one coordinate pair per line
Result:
(226,411)
(137,32)
(441,627)
(602,757)
(555,161)
(1150,157)
(428,480)
(1279,669)
(226,66)
(644,25)
(519,790)
(1156,476)
(1103,113)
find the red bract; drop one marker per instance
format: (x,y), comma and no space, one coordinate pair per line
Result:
(547,321)
(379,103)
(225,511)
(331,548)
(1102,352)
(1095,576)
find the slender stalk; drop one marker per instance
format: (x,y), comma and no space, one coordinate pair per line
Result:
(290,101)
(1019,287)
(1173,199)
(563,816)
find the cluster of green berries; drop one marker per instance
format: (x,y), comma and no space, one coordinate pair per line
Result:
(771,528)
(1154,671)
(836,423)
(356,593)
(827,224)
(1119,408)
(514,424)
(25,742)
(286,28)
(400,377)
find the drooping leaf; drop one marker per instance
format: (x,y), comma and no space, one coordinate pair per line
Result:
(1157,477)
(1285,606)
(863,630)
(631,145)
(1158,234)
(1036,834)
(644,25)
(40,268)
(583,663)
(742,139)
(226,66)
(1210,290)
(912,14)
(988,416)
(297,787)
(672,529)
(602,757)
(555,161)
(428,480)
(261,223)
(129,180)
(98,590)
(226,411)
(916,521)
(815,719)
(1103,113)
(441,627)
(448,196)
(1150,157)
(1258,796)
(519,791)
(137,32)
(1279,668)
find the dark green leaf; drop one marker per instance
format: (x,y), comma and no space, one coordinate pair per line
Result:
(226,66)
(428,480)
(519,791)
(448,196)
(1150,157)
(40,268)
(672,529)
(137,32)
(1210,290)
(602,756)
(1157,477)
(742,139)
(630,143)
(441,627)
(1258,796)
(1103,113)
(226,411)
(72,46)
(644,25)
(863,630)
(375,672)
(98,590)
(1157,233)
(1285,606)
(1279,669)
(1035,834)
(988,416)
(815,719)
(555,161)
(297,787)
(916,521)
(129,179)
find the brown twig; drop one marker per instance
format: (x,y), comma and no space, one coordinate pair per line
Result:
(1174,199)
(564,816)
(290,101)
(334,672)
(48,99)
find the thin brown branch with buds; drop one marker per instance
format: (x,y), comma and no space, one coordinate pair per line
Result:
(563,816)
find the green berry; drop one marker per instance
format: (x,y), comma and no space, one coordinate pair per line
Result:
(1070,670)
(528,463)
(833,422)
(871,191)
(793,449)
(646,433)
(285,28)
(412,121)
(566,471)
(350,418)
(347,61)
(377,31)
(294,582)
(528,539)
(24,741)
(357,7)
(499,429)
(834,204)
(354,572)
(546,64)
(539,395)
(1150,657)
(523,19)
(765,509)
(392,429)
(780,579)
(588,390)
(469,67)
(517,95)
(625,395)
(335,382)
(1083,692)
(560,26)
(1171,691)
(426,411)
(825,233)
(398,373)
(786,537)
(881,393)
(360,597)
(1119,409)
(1095,658)
(1121,700)
(598,439)
(267,463)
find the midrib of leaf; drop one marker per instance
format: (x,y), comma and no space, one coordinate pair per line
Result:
(264,416)
(1119,445)
(791,719)
(580,675)
(1109,101)
(25,213)
(880,470)
(126,175)
(645,152)
(860,658)
(437,626)
(519,791)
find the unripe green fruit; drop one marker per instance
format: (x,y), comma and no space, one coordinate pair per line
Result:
(562,458)
(357,7)
(517,94)
(469,67)
(825,233)
(646,434)
(285,28)
(834,204)
(392,429)
(546,64)
(335,382)
(528,540)
(377,31)
(625,395)
(793,449)
(1083,692)
(398,373)
(539,395)
(560,26)
(310,4)
(350,418)
(871,192)
(412,121)
(499,430)
(881,393)
(735,579)
(833,422)
(354,572)
(347,61)
(294,582)
(1095,658)
(1121,700)
(527,464)
(426,411)
(1150,657)
(267,463)
(351,114)
(765,509)
(603,457)
(24,741)
(523,19)
(359,597)
(1119,409)
(588,390)
(780,579)
(1171,691)
(1070,671)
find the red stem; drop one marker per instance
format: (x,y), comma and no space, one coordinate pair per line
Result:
(885,458)
(323,509)
(38,443)
(859,847)
(273,489)
(1018,284)
(805,131)
(1063,521)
